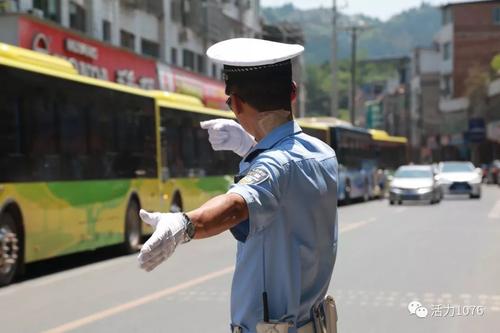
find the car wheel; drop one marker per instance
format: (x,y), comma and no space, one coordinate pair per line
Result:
(133,228)
(391,202)
(10,258)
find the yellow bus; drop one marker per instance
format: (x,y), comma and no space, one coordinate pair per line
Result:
(390,151)
(79,157)
(354,154)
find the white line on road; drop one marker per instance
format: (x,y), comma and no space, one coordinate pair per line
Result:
(355,225)
(98,266)
(392,298)
(138,302)
(165,292)
(495,211)
(62,276)
(77,272)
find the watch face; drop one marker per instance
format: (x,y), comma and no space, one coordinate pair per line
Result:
(190,229)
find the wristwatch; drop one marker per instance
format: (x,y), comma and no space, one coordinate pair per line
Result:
(189,227)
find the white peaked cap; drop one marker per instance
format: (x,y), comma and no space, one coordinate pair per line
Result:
(252,52)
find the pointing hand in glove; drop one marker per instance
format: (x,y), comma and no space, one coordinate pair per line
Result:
(227,134)
(170,231)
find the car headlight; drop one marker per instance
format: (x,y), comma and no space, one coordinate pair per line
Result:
(424,190)
(475,180)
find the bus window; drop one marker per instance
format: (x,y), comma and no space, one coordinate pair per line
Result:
(186,151)
(57,129)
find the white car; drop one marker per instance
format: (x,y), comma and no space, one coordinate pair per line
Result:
(414,182)
(460,178)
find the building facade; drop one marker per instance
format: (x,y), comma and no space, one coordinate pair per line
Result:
(386,103)
(147,43)
(467,42)
(425,118)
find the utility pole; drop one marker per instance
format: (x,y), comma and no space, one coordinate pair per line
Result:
(335,92)
(204,8)
(352,111)
(354,30)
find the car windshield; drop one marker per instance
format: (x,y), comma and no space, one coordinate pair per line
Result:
(457,167)
(413,173)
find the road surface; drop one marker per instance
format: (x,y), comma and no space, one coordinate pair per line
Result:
(445,256)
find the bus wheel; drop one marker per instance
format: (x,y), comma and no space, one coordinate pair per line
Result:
(133,230)
(10,258)
(176,206)
(366,190)
(347,192)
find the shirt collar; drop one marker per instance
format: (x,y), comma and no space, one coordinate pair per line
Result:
(289,128)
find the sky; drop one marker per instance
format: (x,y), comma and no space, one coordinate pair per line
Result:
(382,9)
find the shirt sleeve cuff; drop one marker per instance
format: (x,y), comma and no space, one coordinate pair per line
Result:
(251,204)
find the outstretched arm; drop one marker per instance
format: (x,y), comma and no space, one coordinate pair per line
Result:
(218,215)
(212,218)
(227,134)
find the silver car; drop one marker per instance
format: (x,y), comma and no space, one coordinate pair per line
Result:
(414,182)
(460,178)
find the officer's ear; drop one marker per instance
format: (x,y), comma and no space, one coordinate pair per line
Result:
(293,94)
(237,104)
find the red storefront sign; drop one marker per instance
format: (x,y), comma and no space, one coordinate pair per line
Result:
(210,91)
(90,57)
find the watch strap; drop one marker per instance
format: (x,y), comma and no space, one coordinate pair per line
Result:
(190,229)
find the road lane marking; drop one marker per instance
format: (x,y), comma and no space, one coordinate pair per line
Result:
(400,210)
(393,298)
(10,290)
(64,275)
(355,225)
(138,302)
(495,211)
(77,272)
(97,266)
(166,292)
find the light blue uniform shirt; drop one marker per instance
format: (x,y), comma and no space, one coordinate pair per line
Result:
(288,245)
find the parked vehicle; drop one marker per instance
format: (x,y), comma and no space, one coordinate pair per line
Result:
(492,173)
(415,183)
(460,178)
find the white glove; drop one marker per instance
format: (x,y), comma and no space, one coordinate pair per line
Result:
(169,232)
(226,134)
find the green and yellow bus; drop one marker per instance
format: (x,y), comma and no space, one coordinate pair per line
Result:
(390,151)
(79,157)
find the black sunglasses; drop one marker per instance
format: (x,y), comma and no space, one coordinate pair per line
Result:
(228,102)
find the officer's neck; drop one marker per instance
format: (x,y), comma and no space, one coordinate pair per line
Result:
(267,121)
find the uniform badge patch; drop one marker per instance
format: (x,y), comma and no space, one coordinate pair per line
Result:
(254,176)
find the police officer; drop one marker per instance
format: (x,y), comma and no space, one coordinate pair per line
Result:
(282,209)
